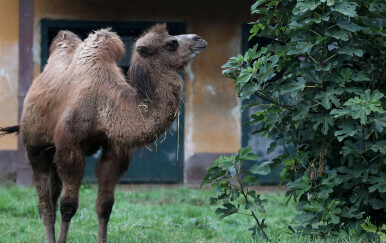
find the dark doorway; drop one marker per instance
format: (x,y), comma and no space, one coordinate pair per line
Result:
(161,162)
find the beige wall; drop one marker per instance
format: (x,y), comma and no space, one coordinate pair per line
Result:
(212,118)
(9,52)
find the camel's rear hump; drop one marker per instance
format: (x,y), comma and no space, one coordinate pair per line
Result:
(65,39)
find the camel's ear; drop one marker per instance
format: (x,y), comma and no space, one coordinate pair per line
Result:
(144,50)
(140,79)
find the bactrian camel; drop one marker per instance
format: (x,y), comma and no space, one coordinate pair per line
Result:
(81,102)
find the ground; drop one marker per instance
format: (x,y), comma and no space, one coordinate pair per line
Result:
(149,214)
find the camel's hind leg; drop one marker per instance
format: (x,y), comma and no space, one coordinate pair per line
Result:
(70,164)
(42,161)
(109,169)
(56,189)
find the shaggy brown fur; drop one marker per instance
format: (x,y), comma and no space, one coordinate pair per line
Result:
(82,101)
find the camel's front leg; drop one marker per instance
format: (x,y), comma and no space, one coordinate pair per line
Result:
(70,164)
(109,169)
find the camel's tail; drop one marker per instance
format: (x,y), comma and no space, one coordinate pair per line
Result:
(9,130)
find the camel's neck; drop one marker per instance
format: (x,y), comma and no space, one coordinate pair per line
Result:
(159,93)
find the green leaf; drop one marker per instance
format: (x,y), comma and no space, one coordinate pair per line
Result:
(246,154)
(351,147)
(231,64)
(255,203)
(312,77)
(346,8)
(293,51)
(346,73)
(234,62)
(294,87)
(347,131)
(234,194)
(379,183)
(360,112)
(225,163)
(377,7)
(351,212)
(329,96)
(369,227)
(305,5)
(347,50)
(244,77)
(356,172)
(338,34)
(360,197)
(228,210)
(379,121)
(377,204)
(252,180)
(304,217)
(259,230)
(314,206)
(333,212)
(215,171)
(304,47)
(267,65)
(247,91)
(251,53)
(295,25)
(332,180)
(301,184)
(360,77)
(326,123)
(301,113)
(261,168)
(329,2)
(345,23)
(340,112)
(354,101)
(372,97)
(362,107)
(379,146)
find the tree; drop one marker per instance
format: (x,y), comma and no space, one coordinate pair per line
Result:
(321,82)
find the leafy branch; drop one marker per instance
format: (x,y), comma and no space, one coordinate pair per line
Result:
(232,182)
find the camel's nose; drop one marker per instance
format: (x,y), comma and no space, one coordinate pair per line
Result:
(199,44)
(195,42)
(199,40)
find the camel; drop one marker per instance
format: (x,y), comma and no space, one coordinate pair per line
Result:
(81,102)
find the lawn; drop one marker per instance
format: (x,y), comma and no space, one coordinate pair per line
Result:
(143,214)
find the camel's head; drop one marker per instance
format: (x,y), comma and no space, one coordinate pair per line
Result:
(174,51)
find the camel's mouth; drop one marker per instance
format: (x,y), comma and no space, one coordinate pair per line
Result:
(199,45)
(195,43)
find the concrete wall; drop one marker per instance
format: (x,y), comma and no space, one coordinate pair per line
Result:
(9,20)
(212,117)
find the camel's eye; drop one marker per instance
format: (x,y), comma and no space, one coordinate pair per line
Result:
(172,45)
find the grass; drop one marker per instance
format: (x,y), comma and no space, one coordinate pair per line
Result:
(149,215)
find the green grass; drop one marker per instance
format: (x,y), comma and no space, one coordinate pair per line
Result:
(149,215)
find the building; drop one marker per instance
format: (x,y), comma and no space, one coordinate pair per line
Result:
(210,120)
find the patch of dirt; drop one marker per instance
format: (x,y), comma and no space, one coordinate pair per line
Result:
(8,177)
